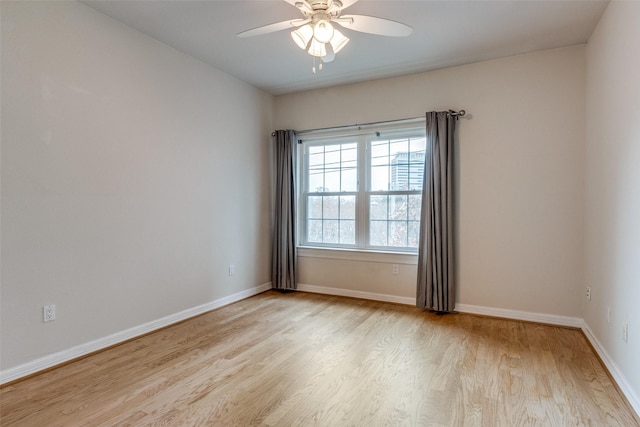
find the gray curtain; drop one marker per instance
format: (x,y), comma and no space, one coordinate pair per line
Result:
(283,251)
(436,262)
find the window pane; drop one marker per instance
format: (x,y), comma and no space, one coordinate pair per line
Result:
(405,160)
(349,164)
(332,180)
(330,231)
(314,207)
(330,207)
(378,233)
(418,144)
(315,149)
(415,203)
(379,154)
(399,171)
(332,168)
(413,234)
(398,207)
(380,178)
(314,231)
(416,171)
(379,161)
(416,180)
(348,207)
(416,167)
(349,179)
(348,232)
(331,155)
(378,207)
(349,152)
(316,157)
(315,180)
(398,233)
(398,146)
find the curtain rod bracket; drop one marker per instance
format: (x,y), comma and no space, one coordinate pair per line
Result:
(457,114)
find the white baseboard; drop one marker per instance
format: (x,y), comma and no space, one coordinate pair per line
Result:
(63,356)
(613,369)
(551,319)
(356,294)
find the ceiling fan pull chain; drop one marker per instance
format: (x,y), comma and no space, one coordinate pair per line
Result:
(314,66)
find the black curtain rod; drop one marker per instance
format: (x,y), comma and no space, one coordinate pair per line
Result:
(358,125)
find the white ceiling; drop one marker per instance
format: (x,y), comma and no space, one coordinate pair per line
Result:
(446,33)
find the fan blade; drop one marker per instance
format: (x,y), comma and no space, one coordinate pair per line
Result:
(347,3)
(339,5)
(278,26)
(373,25)
(303,7)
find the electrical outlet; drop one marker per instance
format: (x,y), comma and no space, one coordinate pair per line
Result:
(395,269)
(232,269)
(625,332)
(589,293)
(48,313)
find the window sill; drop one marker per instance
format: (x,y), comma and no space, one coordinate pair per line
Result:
(358,255)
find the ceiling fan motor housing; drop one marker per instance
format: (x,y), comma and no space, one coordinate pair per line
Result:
(312,7)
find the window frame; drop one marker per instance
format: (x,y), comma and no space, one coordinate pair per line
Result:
(363,138)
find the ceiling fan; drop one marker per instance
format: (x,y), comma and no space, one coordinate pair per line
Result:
(316,32)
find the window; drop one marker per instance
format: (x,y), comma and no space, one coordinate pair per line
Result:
(332,188)
(362,191)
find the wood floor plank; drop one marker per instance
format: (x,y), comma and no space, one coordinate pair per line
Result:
(302,359)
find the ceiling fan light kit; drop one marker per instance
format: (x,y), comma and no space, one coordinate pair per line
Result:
(338,41)
(317,34)
(302,36)
(317,49)
(323,31)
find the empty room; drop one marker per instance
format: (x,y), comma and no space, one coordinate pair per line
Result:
(320,212)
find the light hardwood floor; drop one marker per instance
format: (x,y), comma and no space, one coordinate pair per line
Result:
(304,359)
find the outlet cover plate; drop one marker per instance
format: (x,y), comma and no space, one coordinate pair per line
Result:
(49,313)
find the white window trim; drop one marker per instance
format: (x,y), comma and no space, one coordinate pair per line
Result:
(365,255)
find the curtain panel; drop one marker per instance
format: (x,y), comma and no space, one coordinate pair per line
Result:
(283,251)
(436,263)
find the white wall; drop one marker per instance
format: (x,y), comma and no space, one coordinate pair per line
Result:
(520,182)
(132,175)
(613,191)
